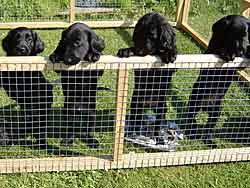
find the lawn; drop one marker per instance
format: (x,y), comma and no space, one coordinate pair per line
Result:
(217,175)
(214,175)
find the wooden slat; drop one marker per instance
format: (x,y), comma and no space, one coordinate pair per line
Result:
(72,5)
(135,160)
(190,61)
(131,160)
(195,35)
(62,25)
(121,107)
(54,164)
(185,13)
(245,8)
(179,12)
(244,76)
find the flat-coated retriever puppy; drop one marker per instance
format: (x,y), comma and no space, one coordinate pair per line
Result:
(153,35)
(79,42)
(29,89)
(230,38)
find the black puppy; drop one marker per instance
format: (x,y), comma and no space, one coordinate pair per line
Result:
(79,43)
(230,38)
(153,35)
(29,88)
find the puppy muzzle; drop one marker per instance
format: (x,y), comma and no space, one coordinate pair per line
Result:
(22,50)
(71,60)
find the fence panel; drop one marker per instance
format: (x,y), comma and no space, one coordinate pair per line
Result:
(82,10)
(122,113)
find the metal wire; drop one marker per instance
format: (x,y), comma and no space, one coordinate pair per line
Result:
(112,119)
(58,10)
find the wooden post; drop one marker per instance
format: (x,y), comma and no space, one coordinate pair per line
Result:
(182,22)
(195,35)
(72,11)
(121,106)
(179,12)
(245,8)
(185,11)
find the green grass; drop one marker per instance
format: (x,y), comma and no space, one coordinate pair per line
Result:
(199,176)
(209,14)
(215,175)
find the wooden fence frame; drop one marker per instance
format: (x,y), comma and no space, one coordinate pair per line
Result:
(182,23)
(119,159)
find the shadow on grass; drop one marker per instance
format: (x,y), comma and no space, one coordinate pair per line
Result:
(125,35)
(236,130)
(24,146)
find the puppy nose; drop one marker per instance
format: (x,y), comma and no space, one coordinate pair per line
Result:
(71,60)
(21,49)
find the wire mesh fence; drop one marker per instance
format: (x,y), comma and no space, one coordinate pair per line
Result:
(209,12)
(33,11)
(123,113)
(83,10)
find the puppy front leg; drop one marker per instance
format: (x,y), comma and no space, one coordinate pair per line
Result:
(58,54)
(93,56)
(126,52)
(168,56)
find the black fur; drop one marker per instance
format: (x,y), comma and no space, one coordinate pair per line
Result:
(78,43)
(153,35)
(29,88)
(230,38)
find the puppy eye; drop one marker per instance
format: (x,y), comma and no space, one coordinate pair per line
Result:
(27,36)
(29,39)
(76,43)
(17,36)
(63,40)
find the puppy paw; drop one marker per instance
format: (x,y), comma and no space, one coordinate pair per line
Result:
(168,58)
(54,58)
(227,56)
(247,54)
(92,57)
(95,57)
(124,52)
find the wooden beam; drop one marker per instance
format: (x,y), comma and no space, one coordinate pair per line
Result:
(136,160)
(72,5)
(54,164)
(245,8)
(244,75)
(121,109)
(195,35)
(185,13)
(131,160)
(62,25)
(179,12)
(190,61)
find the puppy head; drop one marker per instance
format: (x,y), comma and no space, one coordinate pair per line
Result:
(22,42)
(236,42)
(145,36)
(229,38)
(78,43)
(153,35)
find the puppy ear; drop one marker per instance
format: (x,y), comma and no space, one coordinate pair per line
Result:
(167,37)
(96,43)
(221,26)
(96,46)
(38,44)
(59,52)
(6,43)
